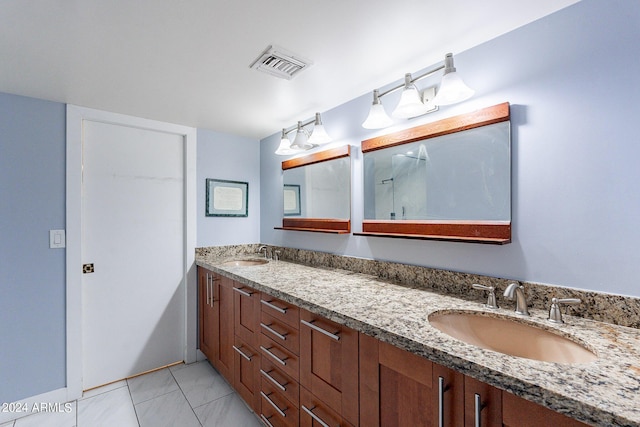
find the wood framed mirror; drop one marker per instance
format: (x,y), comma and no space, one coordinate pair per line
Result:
(446,180)
(317,192)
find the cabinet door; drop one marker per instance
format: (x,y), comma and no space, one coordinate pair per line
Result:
(224,354)
(316,413)
(206,321)
(246,313)
(518,412)
(246,378)
(395,386)
(448,397)
(329,363)
(482,404)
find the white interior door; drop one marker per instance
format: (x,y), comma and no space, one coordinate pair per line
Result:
(133,204)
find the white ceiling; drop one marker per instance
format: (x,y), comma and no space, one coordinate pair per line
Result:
(187,61)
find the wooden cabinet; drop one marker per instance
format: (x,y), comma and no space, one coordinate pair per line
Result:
(329,364)
(246,316)
(224,355)
(314,412)
(246,373)
(295,368)
(483,403)
(401,389)
(207,335)
(395,386)
(216,321)
(518,412)
(280,350)
(246,313)
(447,400)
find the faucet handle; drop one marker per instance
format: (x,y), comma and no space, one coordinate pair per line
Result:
(555,314)
(491,298)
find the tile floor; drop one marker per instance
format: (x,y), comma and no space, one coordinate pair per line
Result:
(179,396)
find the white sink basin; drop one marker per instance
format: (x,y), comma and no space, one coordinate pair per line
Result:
(508,336)
(244,262)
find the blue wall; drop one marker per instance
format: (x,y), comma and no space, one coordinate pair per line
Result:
(573,80)
(231,158)
(32,276)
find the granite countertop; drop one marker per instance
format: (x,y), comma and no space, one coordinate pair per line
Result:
(605,392)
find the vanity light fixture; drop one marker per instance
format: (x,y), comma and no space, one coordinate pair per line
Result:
(304,140)
(452,90)
(284,149)
(377,117)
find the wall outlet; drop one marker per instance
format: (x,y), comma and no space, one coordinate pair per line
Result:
(57,239)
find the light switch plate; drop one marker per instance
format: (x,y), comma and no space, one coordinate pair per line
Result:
(57,239)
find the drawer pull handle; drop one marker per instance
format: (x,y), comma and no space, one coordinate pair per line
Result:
(319,329)
(314,416)
(241,353)
(266,420)
(277,359)
(280,411)
(275,307)
(478,410)
(273,380)
(243,292)
(273,331)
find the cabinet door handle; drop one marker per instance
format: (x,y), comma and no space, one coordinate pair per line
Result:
(276,358)
(319,329)
(273,380)
(208,290)
(314,416)
(440,402)
(211,280)
(274,332)
(213,290)
(243,292)
(241,353)
(478,410)
(266,420)
(280,411)
(275,307)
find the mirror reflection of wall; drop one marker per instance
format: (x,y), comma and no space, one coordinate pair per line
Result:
(461,176)
(325,188)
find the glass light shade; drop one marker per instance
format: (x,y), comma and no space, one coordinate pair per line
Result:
(301,140)
(452,90)
(410,104)
(319,135)
(284,149)
(377,118)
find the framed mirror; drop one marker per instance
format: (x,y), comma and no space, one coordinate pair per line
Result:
(317,192)
(446,180)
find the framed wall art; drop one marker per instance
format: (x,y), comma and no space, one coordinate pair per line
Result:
(227,198)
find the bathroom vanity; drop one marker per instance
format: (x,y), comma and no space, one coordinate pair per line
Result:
(311,345)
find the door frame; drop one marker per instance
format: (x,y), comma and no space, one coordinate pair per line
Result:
(75,117)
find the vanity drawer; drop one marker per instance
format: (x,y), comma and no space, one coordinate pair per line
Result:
(284,359)
(280,332)
(314,411)
(272,374)
(276,410)
(281,310)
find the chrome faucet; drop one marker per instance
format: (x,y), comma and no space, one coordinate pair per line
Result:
(263,248)
(517,291)
(555,315)
(491,296)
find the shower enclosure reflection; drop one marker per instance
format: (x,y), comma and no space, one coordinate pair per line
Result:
(449,179)
(462,176)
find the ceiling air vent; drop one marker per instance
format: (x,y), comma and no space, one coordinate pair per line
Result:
(280,63)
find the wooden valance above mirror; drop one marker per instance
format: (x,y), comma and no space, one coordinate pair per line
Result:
(446,180)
